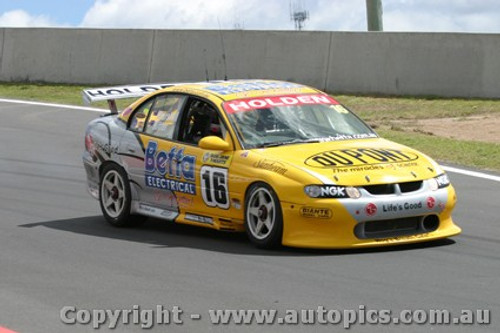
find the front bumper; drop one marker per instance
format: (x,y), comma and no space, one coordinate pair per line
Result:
(336,223)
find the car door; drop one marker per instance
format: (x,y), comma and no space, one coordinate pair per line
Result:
(152,124)
(207,170)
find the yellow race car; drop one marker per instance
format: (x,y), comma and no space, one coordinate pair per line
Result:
(282,161)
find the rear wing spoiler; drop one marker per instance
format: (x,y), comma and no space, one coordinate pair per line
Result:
(111,94)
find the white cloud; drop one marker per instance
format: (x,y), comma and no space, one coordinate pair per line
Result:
(226,14)
(442,16)
(173,14)
(20,19)
(327,15)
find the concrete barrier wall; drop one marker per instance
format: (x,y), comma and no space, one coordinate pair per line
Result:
(466,65)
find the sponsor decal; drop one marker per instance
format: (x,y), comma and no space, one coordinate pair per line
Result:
(358,169)
(271,165)
(371,209)
(272,101)
(199,218)
(360,157)
(107,148)
(340,137)
(443,180)
(387,208)
(314,212)
(216,158)
(176,169)
(326,191)
(233,88)
(117,92)
(431,202)
(165,198)
(185,201)
(158,212)
(236,203)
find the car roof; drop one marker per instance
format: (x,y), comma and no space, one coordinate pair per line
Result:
(236,89)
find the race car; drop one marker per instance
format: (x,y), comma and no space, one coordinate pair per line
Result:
(285,163)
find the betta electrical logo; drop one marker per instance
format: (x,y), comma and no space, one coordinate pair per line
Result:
(177,170)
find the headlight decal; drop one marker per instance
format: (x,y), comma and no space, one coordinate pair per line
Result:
(439,182)
(443,180)
(331,191)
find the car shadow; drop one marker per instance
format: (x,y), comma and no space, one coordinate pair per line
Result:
(161,234)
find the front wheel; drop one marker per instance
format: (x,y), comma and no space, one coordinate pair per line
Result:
(263,216)
(115,197)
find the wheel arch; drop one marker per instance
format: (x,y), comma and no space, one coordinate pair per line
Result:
(105,164)
(275,237)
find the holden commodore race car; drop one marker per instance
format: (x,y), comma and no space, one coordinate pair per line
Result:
(283,162)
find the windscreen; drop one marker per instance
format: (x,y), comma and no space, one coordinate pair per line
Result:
(281,120)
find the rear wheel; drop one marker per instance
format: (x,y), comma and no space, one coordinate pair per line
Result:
(263,216)
(115,197)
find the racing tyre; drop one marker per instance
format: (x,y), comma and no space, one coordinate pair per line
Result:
(115,197)
(263,216)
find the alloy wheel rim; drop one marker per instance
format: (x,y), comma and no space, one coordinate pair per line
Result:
(113,193)
(261,213)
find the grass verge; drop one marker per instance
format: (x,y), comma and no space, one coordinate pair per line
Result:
(475,154)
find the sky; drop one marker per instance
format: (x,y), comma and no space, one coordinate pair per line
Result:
(474,16)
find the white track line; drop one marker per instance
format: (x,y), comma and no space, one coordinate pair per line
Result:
(472,173)
(74,107)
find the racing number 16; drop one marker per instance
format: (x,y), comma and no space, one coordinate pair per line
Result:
(214,186)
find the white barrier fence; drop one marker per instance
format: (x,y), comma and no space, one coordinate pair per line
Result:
(440,64)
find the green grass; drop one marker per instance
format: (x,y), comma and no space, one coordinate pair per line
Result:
(52,93)
(468,153)
(381,109)
(377,111)
(64,94)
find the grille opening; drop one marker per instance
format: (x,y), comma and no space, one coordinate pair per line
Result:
(380,189)
(396,227)
(391,188)
(410,186)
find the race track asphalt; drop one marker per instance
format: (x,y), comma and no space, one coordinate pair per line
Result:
(56,250)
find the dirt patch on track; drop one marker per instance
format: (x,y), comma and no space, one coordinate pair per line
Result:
(478,128)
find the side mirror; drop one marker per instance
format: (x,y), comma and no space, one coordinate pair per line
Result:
(212,142)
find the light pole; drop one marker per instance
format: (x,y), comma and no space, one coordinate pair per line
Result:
(374,15)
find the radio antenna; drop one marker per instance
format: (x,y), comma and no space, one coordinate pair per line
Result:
(298,15)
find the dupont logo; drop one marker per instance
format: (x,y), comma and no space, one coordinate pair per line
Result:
(359,157)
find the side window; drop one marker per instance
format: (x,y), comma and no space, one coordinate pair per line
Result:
(139,117)
(163,116)
(200,120)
